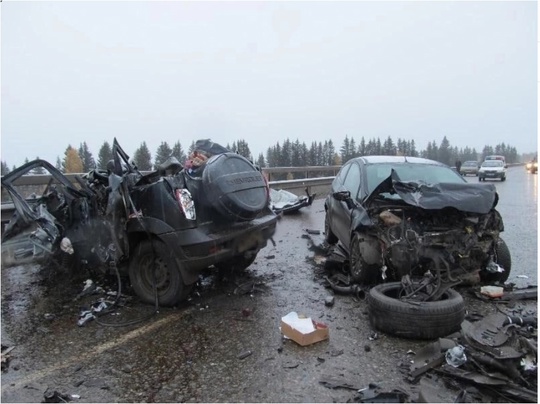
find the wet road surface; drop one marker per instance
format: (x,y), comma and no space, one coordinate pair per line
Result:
(224,344)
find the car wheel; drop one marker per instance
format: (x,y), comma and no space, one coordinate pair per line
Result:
(504,259)
(238,263)
(329,236)
(503,179)
(360,271)
(421,320)
(152,263)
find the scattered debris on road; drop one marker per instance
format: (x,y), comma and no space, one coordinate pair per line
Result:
(492,359)
(5,356)
(282,201)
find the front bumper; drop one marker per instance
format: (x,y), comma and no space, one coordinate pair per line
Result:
(491,174)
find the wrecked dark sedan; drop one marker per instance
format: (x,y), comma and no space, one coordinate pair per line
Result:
(417,228)
(160,228)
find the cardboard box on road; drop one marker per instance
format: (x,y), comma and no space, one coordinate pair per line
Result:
(302,330)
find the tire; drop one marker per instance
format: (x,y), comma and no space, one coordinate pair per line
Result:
(423,320)
(329,236)
(234,187)
(504,259)
(153,255)
(236,264)
(503,179)
(360,271)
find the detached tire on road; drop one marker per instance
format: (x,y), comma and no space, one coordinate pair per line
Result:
(152,262)
(420,320)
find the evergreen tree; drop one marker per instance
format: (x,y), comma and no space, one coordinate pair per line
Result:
(412,149)
(320,155)
(270,158)
(142,158)
(72,162)
(4,168)
(286,154)
(86,157)
(242,149)
(304,154)
(295,154)
(312,159)
(163,152)
(345,150)
(104,155)
(178,152)
(388,148)
(362,147)
(444,154)
(59,164)
(331,152)
(260,161)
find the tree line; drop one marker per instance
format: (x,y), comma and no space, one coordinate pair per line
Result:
(287,154)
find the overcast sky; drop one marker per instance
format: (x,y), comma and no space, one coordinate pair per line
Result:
(264,72)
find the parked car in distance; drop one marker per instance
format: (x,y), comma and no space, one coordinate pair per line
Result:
(497,157)
(160,229)
(495,169)
(532,166)
(469,168)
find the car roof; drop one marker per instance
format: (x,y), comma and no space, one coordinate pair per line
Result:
(396,160)
(471,162)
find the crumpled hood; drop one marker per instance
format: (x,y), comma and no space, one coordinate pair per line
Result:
(466,197)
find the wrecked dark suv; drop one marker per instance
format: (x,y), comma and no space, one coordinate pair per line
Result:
(416,227)
(162,228)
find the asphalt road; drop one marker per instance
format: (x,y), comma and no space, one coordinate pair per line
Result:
(224,344)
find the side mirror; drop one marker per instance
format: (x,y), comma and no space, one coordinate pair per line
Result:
(341,195)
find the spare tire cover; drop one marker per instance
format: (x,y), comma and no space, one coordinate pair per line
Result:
(234,186)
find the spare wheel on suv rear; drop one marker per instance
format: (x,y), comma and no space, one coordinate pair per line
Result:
(235,188)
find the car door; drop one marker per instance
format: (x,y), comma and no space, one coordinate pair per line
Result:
(342,217)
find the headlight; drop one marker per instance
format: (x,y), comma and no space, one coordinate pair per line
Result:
(529,165)
(536,165)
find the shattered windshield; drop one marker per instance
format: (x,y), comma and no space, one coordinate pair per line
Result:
(431,174)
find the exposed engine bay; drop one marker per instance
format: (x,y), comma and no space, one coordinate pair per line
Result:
(444,234)
(448,242)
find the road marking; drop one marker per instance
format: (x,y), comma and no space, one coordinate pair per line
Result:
(91,354)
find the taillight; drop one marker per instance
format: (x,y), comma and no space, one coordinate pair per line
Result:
(185,201)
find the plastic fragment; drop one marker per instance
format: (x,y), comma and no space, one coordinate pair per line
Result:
(456,356)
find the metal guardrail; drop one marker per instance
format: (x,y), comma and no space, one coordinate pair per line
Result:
(318,185)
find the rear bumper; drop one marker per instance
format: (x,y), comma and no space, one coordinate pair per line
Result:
(200,247)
